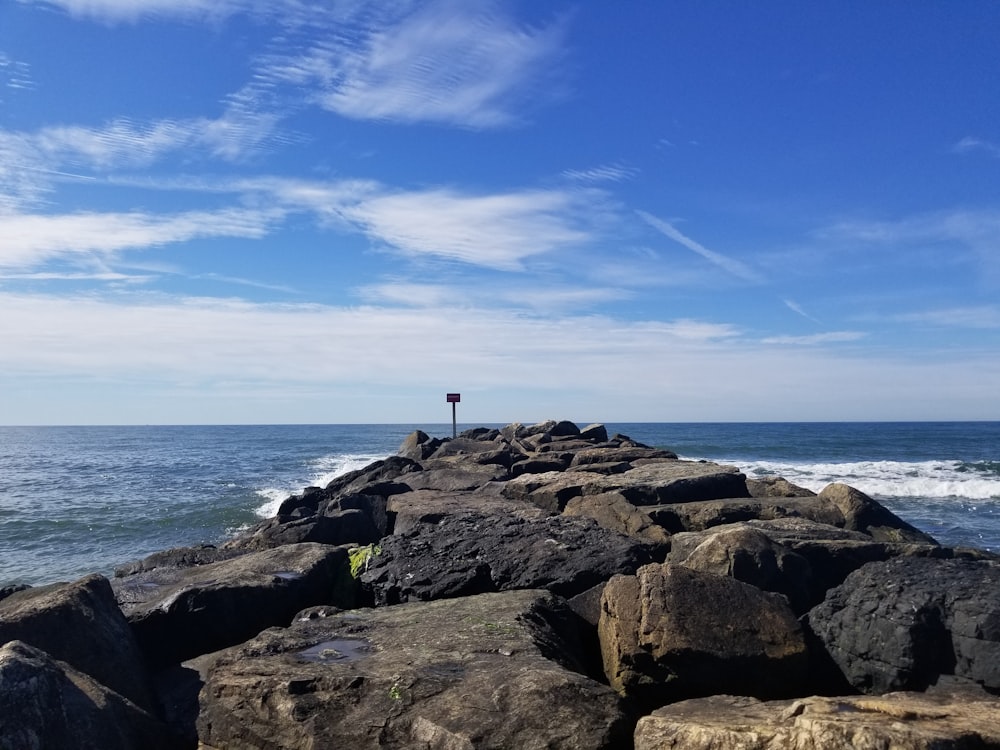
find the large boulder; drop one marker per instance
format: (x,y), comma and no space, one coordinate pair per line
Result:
(46,703)
(669,633)
(472,553)
(80,623)
(905,623)
(491,671)
(831,553)
(900,721)
(177,614)
(862,513)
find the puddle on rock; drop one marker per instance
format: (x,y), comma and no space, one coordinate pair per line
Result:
(339,650)
(287,575)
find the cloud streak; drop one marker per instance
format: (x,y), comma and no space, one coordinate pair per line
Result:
(729,265)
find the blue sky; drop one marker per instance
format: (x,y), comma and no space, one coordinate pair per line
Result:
(248,211)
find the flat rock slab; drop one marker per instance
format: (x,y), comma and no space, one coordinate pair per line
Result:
(490,671)
(79,623)
(409,509)
(471,553)
(662,481)
(904,623)
(179,613)
(701,515)
(900,721)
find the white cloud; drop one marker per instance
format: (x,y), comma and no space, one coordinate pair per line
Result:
(448,62)
(969,144)
(131,11)
(729,265)
(163,350)
(495,231)
(28,240)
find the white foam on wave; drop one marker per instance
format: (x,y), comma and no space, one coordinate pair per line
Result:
(902,479)
(325,468)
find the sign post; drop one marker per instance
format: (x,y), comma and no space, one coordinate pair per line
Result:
(454,398)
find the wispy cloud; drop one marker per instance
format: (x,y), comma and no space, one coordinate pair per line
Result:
(604,173)
(15,74)
(831,337)
(729,265)
(464,64)
(978,317)
(132,11)
(795,307)
(970,144)
(499,230)
(28,240)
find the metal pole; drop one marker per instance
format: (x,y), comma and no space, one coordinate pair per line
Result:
(454,422)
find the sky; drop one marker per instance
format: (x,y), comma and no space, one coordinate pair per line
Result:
(338,211)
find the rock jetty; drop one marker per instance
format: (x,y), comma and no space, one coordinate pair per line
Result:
(537,586)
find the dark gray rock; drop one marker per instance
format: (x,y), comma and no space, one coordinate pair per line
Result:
(46,703)
(904,623)
(177,614)
(80,623)
(493,671)
(471,553)
(178,557)
(411,509)
(384,478)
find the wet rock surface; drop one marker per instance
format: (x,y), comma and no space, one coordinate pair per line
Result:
(531,586)
(490,671)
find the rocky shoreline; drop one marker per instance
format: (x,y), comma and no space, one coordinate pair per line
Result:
(540,586)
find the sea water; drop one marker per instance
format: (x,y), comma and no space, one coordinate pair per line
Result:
(76,500)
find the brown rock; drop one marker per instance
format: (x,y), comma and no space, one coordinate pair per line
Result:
(900,721)
(670,633)
(612,511)
(861,513)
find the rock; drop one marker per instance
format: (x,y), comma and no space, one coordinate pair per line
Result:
(546,463)
(670,633)
(418,445)
(455,473)
(595,433)
(352,526)
(861,513)
(178,557)
(749,555)
(46,703)
(490,671)
(900,721)
(178,614)
(626,454)
(701,515)
(904,623)
(471,553)
(776,487)
(832,553)
(409,509)
(6,591)
(667,481)
(80,623)
(612,511)
(384,478)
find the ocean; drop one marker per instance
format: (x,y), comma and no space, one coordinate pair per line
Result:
(77,500)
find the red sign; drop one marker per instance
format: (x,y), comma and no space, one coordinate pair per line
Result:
(454,398)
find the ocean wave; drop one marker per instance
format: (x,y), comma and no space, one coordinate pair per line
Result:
(325,470)
(898,479)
